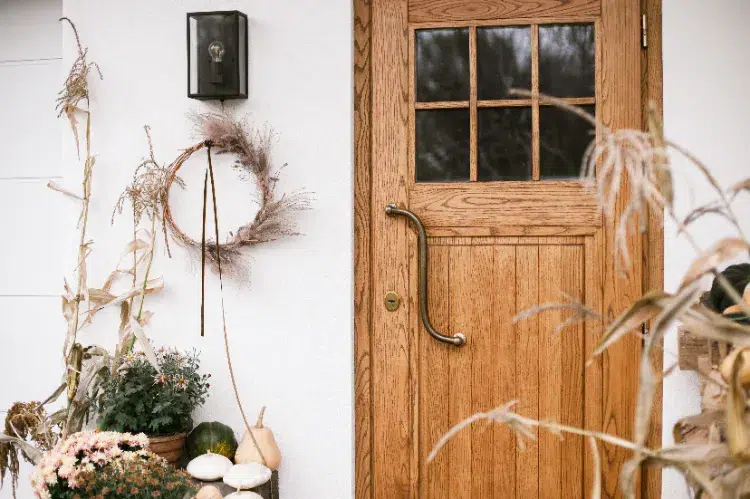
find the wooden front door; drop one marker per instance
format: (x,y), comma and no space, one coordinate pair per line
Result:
(493,177)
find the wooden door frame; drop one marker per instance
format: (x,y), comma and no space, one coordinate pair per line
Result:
(653,239)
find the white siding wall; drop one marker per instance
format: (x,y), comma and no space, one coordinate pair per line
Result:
(31,217)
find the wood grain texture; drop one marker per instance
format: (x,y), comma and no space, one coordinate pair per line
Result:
(516,21)
(561,374)
(651,92)
(463,10)
(458,104)
(620,105)
(535,145)
(504,103)
(473,123)
(392,402)
(509,230)
(434,390)
(506,241)
(488,244)
(527,370)
(460,381)
(503,365)
(593,296)
(494,204)
(362,261)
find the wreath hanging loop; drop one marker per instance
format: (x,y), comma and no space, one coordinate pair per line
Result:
(252,149)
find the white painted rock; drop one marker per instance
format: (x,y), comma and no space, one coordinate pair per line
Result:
(247,476)
(209,467)
(245,494)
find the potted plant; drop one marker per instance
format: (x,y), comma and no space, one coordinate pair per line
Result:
(140,399)
(107,464)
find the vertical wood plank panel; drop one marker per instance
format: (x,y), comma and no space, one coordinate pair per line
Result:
(527,365)
(434,370)
(478,297)
(550,372)
(621,108)
(362,241)
(392,437)
(651,91)
(572,362)
(460,407)
(502,358)
(593,290)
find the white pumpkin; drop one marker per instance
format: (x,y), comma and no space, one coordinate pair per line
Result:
(245,494)
(209,467)
(247,476)
(209,492)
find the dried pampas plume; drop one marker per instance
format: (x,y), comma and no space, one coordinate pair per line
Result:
(252,149)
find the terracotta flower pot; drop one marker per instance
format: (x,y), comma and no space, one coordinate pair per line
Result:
(169,447)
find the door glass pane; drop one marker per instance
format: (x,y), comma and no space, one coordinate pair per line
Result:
(564,138)
(442,145)
(442,62)
(566,60)
(504,146)
(503,61)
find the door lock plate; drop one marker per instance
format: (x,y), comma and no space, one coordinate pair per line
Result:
(392,301)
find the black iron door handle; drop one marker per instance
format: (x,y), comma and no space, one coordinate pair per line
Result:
(457,339)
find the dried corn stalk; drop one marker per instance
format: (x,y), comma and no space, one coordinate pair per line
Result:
(85,366)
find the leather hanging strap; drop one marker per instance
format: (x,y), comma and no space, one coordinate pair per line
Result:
(203,257)
(210,175)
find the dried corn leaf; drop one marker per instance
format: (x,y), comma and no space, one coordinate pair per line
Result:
(629,477)
(596,488)
(744,185)
(738,433)
(661,170)
(720,252)
(57,187)
(697,429)
(100,296)
(639,313)
(55,395)
(70,113)
(673,309)
(701,211)
(735,484)
(96,368)
(32,453)
(151,286)
(145,344)
(705,323)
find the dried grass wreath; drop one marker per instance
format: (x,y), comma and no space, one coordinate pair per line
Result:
(275,218)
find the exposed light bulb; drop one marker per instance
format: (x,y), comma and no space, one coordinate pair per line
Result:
(216,51)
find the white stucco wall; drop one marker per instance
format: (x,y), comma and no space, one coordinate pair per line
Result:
(707,109)
(291,326)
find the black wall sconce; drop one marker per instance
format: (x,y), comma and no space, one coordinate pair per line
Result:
(217,55)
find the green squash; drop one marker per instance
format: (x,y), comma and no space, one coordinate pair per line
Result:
(739,277)
(211,437)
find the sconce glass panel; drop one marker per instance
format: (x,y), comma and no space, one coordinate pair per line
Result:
(217,55)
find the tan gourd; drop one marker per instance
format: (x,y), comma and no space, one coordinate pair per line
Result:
(247,451)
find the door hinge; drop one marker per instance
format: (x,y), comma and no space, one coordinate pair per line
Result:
(644,31)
